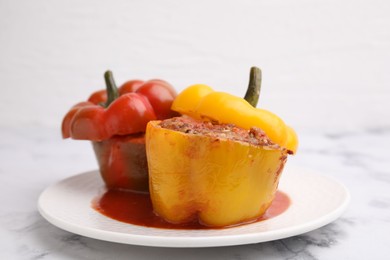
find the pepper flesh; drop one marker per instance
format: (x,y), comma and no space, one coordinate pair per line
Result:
(218,182)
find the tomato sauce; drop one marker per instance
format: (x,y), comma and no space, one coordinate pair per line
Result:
(136,208)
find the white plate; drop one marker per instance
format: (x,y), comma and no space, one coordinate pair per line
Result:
(316,200)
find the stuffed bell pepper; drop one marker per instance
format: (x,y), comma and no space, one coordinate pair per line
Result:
(115,121)
(220,163)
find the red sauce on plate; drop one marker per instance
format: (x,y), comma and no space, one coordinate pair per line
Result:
(136,208)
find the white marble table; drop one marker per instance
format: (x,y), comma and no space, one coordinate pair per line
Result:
(34,157)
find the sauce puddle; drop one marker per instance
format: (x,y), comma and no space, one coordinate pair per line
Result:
(137,209)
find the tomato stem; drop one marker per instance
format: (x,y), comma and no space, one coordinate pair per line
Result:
(112,89)
(253,92)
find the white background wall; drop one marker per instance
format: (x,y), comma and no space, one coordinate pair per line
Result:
(320,59)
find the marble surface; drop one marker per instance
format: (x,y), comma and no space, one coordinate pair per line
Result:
(33,157)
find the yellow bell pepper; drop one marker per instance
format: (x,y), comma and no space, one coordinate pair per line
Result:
(218,183)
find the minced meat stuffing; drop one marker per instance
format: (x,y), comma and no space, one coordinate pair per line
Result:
(254,136)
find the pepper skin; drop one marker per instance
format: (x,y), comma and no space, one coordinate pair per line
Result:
(187,101)
(216,182)
(122,162)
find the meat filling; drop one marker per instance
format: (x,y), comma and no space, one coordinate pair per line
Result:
(254,136)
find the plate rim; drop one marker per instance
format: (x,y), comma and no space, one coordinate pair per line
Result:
(197,241)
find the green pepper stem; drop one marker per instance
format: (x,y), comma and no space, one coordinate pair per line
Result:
(111,88)
(253,92)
